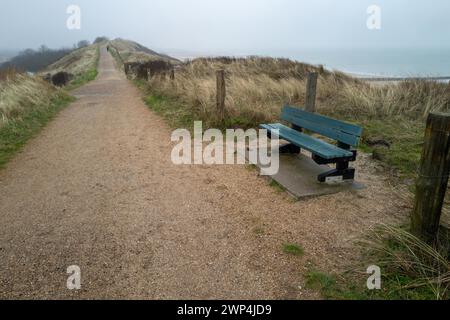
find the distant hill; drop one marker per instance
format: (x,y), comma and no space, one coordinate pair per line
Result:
(6,55)
(34,60)
(131,51)
(79,61)
(75,62)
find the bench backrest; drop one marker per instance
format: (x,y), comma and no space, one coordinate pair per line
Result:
(337,130)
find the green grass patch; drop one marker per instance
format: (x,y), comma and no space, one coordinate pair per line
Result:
(170,110)
(15,134)
(293,249)
(82,79)
(404,136)
(331,289)
(175,114)
(410,269)
(87,76)
(141,84)
(406,142)
(352,286)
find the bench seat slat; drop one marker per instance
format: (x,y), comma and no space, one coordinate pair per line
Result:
(314,117)
(314,145)
(331,128)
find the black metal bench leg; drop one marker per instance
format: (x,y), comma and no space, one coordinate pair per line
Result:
(290,149)
(342,170)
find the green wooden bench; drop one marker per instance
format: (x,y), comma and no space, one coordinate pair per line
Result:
(347,137)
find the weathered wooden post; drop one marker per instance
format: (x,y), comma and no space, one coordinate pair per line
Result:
(221,94)
(311,86)
(172,74)
(433,178)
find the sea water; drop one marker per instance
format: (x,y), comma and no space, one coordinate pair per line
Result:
(386,62)
(364,62)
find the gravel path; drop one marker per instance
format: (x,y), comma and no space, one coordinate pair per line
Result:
(97,189)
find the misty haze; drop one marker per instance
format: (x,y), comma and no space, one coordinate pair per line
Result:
(319,32)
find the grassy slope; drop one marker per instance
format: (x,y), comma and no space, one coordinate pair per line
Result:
(82,63)
(130,51)
(15,134)
(27,104)
(258,88)
(168,108)
(88,75)
(406,141)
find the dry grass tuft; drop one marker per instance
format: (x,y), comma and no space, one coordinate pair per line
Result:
(21,93)
(409,263)
(412,99)
(8,74)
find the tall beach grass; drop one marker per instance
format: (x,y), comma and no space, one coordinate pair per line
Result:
(258,87)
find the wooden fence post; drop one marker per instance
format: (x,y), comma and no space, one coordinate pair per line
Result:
(311,86)
(221,94)
(432,183)
(172,74)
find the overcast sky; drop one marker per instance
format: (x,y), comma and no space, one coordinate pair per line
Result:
(227,25)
